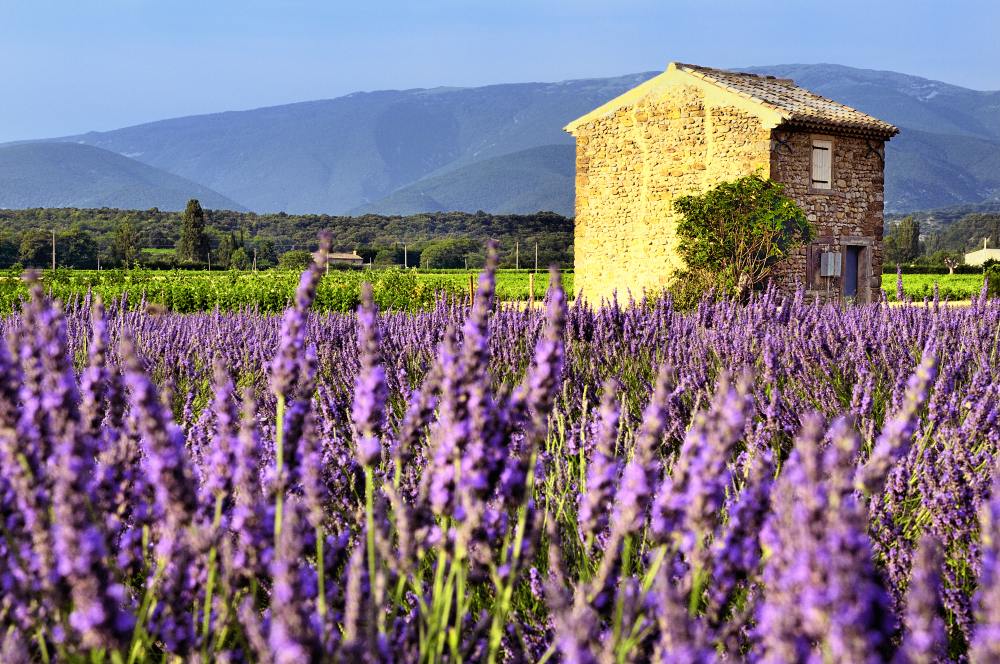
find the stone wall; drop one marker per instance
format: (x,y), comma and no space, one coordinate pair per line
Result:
(630,167)
(850,212)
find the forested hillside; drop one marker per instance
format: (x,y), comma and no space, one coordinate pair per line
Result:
(84,235)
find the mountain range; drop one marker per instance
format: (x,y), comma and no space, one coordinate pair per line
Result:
(497,148)
(77,175)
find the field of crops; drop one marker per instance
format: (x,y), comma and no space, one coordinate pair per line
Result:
(267,292)
(759,482)
(950,286)
(340,291)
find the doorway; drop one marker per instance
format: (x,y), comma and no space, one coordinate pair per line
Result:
(853,263)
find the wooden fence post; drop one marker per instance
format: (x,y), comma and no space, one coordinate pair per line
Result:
(531,290)
(472,290)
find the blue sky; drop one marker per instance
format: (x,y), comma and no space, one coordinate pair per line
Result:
(69,66)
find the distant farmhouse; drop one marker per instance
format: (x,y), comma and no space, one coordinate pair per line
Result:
(346,259)
(692,128)
(335,258)
(980,256)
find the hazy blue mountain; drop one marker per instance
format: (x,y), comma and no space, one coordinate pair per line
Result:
(906,101)
(351,152)
(73,175)
(519,183)
(495,148)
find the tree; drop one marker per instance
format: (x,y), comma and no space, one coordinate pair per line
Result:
(9,246)
(238,260)
(732,236)
(227,245)
(296,259)
(266,254)
(902,242)
(385,258)
(450,253)
(76,248)
(193,247)
(126,244)
(35,249)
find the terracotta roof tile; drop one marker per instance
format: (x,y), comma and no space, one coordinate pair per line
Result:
(799,106)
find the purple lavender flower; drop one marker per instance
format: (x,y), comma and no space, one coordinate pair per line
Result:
(640,472)
(689,499)
(985,645)
(79,544)
(543,378)
(897,434)
(166,459)
(736,554)
(357,625)
(926,639)
(245,558)
(574,621)
(370,390)
(292,635)
(286,367)
(602,472)
(821,587)
(222,453)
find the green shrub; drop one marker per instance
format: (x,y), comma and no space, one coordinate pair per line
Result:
(992,276)
(297,259)
(734,234)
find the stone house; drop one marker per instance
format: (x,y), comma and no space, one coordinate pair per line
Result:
(346,259)
(691,128)
(335,258)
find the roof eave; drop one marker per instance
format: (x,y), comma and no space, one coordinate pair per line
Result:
(881,133)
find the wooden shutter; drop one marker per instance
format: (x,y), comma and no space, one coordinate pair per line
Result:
(822,164)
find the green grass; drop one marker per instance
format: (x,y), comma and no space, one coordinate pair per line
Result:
(950,286)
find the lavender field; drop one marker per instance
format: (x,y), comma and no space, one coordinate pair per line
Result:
(775,482)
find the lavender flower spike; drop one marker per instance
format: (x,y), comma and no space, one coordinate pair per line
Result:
(897,434)
(985,646)
(602,472)
(370,389)
(286,366)
(926,640)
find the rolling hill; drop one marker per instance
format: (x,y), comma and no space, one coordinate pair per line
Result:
(73,175)
(502,148)
(349,153)
(519,183)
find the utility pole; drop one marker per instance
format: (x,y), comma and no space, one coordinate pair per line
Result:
(209,260)
(255,259)
(406,261)
(536,256)
(53,251)
(517,255)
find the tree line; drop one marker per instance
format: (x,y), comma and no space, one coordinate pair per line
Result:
(199,238)
(909,240)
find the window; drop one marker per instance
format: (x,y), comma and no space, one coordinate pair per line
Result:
(822,164)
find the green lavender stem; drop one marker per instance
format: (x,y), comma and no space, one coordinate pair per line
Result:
(279,454)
